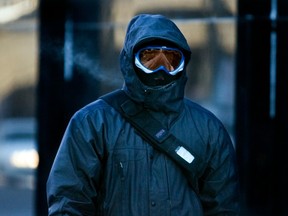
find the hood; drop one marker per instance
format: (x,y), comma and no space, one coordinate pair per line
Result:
(142,29)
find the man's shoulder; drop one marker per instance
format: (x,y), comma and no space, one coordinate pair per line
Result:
(92,109)
(197,108)
(200,113)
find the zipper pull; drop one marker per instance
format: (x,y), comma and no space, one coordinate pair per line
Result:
(121,169)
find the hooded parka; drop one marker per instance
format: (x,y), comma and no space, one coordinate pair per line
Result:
(104,167)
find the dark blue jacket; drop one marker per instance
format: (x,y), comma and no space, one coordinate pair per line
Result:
(103,167)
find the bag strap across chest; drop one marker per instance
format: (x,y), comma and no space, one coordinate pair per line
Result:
(155,133)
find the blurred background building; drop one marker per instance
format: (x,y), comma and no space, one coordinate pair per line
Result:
(57,56)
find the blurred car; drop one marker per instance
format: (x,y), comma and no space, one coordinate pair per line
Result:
(18,152)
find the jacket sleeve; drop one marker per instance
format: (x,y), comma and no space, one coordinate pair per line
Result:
(72,182)
(219,186)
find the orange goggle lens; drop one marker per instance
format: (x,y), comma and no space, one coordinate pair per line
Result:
(153,59)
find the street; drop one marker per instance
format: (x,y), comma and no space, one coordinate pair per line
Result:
(15,201)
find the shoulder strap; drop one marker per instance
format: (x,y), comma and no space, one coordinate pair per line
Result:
(154,132)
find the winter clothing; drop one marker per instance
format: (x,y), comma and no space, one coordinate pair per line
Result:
(103,167)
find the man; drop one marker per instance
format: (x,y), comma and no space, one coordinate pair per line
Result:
(105,167)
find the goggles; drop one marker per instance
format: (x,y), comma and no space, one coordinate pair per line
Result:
(154,58)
